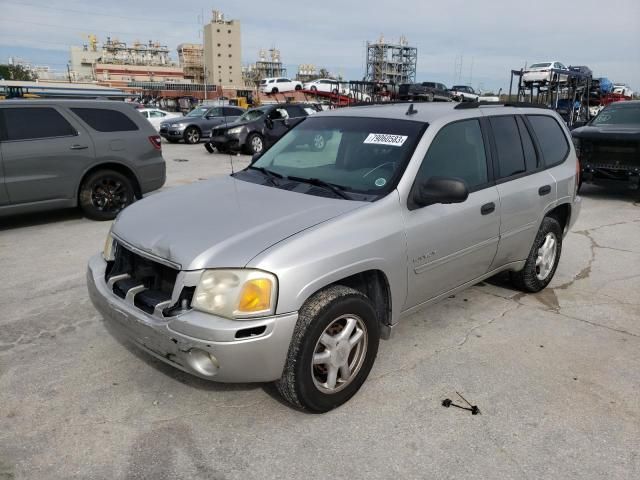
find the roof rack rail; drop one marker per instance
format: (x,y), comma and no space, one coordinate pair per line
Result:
(465,105)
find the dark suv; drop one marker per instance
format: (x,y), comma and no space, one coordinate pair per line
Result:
(424,92)
(98,155)
(198,123)
(258,128)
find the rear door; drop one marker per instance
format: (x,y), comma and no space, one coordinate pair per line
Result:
(526,189)
(44,153)
(452,244)
(4,198)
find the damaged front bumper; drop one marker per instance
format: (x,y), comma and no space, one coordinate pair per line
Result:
(198,343)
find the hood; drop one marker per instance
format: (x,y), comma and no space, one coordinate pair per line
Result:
(608,132)
(223,222)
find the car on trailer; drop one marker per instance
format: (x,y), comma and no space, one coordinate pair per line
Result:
(544,72)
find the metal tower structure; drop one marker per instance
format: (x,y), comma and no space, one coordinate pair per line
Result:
(391,62)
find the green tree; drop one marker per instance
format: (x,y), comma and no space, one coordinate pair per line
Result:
(15,72)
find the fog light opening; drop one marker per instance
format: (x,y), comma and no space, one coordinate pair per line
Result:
(202,362)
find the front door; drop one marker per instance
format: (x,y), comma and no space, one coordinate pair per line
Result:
(4,198)
(44,154)
(449,245)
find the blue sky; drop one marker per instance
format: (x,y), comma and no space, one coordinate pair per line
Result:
(494,36)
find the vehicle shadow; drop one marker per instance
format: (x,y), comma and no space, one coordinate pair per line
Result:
(610,191)
(39,218)
(173,372)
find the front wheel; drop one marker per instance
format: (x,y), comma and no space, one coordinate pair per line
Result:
(334,345)
(255,144)
(104,193)
(298,87)
(191,135)
(543,258)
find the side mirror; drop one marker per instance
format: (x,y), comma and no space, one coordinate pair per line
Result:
(441,190)
(269,123)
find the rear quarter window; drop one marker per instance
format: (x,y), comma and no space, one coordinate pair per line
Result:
(551,138)
(105,119)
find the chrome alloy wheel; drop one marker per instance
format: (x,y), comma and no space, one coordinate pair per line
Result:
(546,256)
(318,141)
(339,354)
(256,144)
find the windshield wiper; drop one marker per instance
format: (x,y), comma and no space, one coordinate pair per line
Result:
(267,173)
(336,189)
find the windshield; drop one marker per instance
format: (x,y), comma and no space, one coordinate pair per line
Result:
(365,156)
(540,65)
(251,115)
(618,116)
(197,112)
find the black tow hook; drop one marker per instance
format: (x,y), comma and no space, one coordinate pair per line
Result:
(447,402)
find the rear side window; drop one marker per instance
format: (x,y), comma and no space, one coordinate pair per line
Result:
(530,156)
(105,120)
(551,139)
(457,151)
(38,122)
(508,146)
(295,111)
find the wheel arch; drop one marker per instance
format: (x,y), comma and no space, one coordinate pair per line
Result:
(562,213)
(374,284)
(118,167)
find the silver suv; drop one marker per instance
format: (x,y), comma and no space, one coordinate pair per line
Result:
(293,269)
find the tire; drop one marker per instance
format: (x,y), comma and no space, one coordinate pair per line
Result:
(104,193)
(253,141)
(274,90)
(318,142)
(534,276)
(298,87)
(191,135)
(209,148)
(314,89)
(305,384)
(334,91)
(430,97)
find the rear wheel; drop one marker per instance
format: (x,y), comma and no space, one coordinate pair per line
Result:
(543,258)
(334,345)
(104,193)
(192,135)
(298,87)
(274,90)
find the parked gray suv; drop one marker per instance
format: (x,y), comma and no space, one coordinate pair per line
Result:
(293,269)
(197,124)
(99,155)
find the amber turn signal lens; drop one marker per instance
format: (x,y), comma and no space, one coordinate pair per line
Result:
(255,296)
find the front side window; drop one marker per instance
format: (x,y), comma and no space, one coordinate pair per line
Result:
(456,151)
(33,123)
(283,80)
(551,138)
(197,112)
(508,145)
(105,120)
(363,156)
(251,115)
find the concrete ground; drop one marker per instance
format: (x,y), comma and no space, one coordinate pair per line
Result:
(556,375)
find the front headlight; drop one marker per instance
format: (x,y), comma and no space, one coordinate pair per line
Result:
(180,125)
(108,252)
(240,293)
(234,131)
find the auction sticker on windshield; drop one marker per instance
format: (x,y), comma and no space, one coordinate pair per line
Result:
(386,139)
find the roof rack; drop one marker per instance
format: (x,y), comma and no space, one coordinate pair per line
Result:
(465,105)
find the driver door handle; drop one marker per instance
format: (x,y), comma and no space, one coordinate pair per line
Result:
(487,208)
(78,147)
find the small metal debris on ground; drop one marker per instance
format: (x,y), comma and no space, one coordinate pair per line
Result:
(180,160)
(447,402)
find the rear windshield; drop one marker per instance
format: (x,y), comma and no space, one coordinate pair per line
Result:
(618,116)
(540,65)
(364,156)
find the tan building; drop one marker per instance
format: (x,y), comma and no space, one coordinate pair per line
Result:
(120,76)
(190,56)
(222,59)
